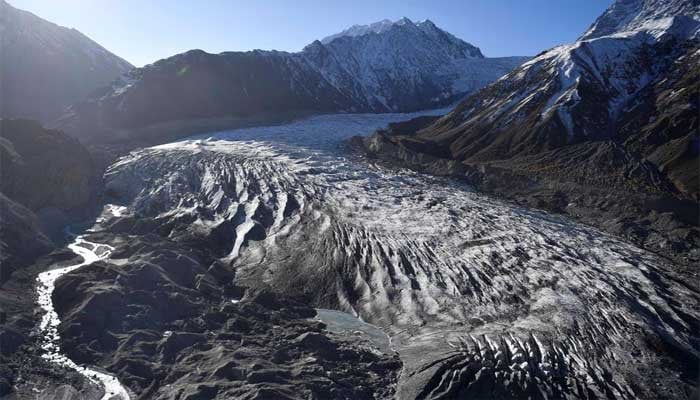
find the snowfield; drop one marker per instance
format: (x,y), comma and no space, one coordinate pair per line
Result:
(469,289)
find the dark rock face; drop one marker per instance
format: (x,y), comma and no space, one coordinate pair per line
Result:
(46,176)
(197,85)
(44,168)
(408,67)
(21,237)
(605,129)
(145,316)
(47,67)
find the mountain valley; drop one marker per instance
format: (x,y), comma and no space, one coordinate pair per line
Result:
(385,214)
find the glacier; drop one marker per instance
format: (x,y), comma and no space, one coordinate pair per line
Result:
(471,291)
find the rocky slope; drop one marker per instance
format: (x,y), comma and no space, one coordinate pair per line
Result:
(47,67)
(405,67)
(21,237)
(47,177)
(604,129)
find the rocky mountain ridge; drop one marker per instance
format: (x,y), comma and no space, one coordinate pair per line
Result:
(52,66)
(46,177)
(405,67)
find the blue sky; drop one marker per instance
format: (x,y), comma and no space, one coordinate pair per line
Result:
(143,31)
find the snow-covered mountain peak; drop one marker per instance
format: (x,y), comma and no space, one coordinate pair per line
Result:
(360,30)
(590,90)
(609,54)
(403,35)
(426,26)
(634,15)
(404,21)
(386,61)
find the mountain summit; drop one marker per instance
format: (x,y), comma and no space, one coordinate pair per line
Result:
(641,15)
(402,65)
(397,66)
(360,30)
(427,27)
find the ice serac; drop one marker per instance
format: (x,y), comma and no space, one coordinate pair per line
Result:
(46,67)
(397,66)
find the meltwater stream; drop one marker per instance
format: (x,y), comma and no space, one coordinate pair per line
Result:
(90,253)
